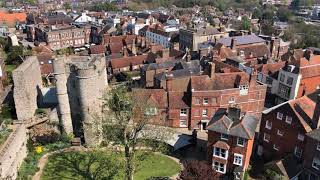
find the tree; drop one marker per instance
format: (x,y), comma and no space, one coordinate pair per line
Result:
(104,7)
(245,23)
(126,124)
(67,6)
(284,14)
(195,169)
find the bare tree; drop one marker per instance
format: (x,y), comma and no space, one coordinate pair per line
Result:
(126,123)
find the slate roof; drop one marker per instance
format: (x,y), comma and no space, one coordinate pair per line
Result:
(244,127)
(154,66)
(242,40)
(177,73)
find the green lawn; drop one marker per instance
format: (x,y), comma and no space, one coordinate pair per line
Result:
(82,165)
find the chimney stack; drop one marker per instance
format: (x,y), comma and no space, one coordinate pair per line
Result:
(212,67)
(169,79)
(316,113)
(253,79)
(166,53)
(233,43)
(308,54)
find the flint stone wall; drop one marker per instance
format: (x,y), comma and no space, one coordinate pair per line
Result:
(27,83)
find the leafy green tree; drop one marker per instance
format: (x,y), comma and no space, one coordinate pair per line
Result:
(127,120)
(284,14)
(245,23)
(104,7)
(67,6)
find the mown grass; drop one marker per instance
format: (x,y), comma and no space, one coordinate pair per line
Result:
(68,166)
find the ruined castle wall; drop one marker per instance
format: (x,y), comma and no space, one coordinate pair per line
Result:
(91,87)
(61,76)
(13,152)
(27,83)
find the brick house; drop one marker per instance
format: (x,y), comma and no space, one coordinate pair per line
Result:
(224,86)
(230,140)
(148,71)
(283,127)
(311,156)
(249,47)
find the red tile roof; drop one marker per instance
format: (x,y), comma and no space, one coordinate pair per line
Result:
(177,100)
(127,61)
(219,82)
(97,49)
(156,97)
(12,18)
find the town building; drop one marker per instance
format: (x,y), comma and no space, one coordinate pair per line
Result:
(284,127)
(311,155)
(159,36)
(191,38)
(248,47)
(298,78)
(60,37)
(223,86)
(231,135)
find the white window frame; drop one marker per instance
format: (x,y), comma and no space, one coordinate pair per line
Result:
(182,112)
(279,115)
(300,137)
(205,114)
(264,137)
(205,101)
(218,169)
(219,154)
(236,155)
(280,133)
(288,119)
(239,144)
(268,125)
(181,124)
(275,147)
(224,138)
(313,162)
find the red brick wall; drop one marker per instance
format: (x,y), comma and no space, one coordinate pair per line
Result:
(288,141)
(174,117)
(311,152)
(253,102)
(246,151)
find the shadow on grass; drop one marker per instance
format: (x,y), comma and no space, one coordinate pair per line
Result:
(93,165)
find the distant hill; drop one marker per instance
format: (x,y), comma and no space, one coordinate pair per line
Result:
(221,4)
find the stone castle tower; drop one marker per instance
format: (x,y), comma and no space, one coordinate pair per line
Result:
(81,82)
